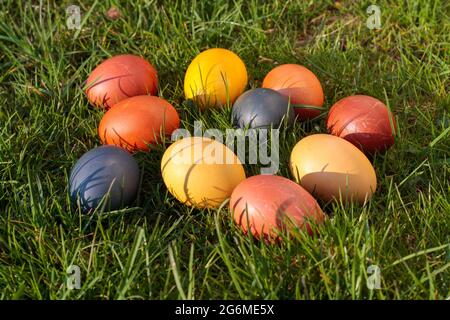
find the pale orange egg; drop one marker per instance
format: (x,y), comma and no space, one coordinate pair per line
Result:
(330,168)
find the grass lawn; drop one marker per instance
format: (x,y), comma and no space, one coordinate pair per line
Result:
(161,249)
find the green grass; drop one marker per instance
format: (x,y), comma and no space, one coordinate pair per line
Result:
(159,248)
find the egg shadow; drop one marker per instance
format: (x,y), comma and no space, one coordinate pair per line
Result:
(370,143)
(285,222)
(328,182)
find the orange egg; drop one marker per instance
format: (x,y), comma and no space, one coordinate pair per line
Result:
(267,204)
(301,85)
(120,77)
(136,122)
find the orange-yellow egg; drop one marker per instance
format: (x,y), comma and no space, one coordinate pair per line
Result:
(330,167)
(215,77)
(137,122)
(119,78)
(301,85)
(201,172)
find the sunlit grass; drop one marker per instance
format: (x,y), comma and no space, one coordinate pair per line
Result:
(159,248)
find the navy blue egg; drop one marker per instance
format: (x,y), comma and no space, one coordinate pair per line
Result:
(107,172)
(262,108)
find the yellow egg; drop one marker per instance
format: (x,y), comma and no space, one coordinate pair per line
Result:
(331,167)
(201,172)
(215,77)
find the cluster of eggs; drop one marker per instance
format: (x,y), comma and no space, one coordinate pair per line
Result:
(204,173)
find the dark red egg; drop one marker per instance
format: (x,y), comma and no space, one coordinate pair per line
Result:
(120,77)
(267,204)
(137,122)
(364,121)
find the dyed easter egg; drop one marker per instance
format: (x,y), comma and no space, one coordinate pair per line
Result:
(215,77)
(364,121)
(301,85)
(330,167)
(137,122)
(267,204)
(261,108)
(106,173)
(201,172)
(120,77)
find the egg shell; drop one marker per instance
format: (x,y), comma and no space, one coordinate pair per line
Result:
(214,77)
(201,172)
(299,84)
(364,121)
(267,204)
(104,172)
(120,77)
(330,167)
(136,122)
(262,108)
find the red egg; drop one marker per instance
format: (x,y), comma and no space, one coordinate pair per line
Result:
(364,121)
(137,122)
(267,204)
(301,85)
(120,77)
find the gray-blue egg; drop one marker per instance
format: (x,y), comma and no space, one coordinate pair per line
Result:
(262,108)
(106,172)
